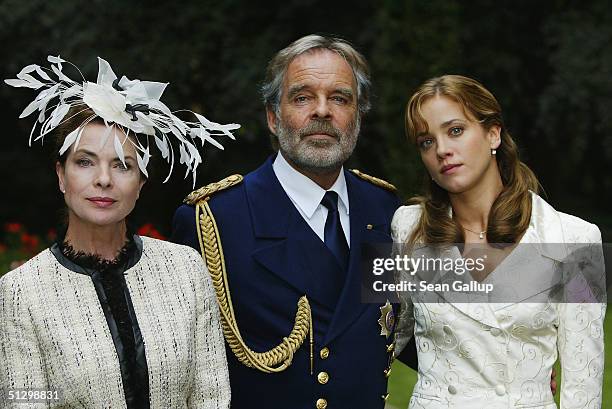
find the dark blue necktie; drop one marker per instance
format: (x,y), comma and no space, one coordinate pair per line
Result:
(334,235)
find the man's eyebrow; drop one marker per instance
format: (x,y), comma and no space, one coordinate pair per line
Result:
(295,89)
(347,92)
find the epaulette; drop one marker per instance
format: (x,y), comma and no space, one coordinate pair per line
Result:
(206,191)
(375,181)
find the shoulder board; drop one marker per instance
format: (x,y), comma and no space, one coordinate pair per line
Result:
(375,181)
(205,192)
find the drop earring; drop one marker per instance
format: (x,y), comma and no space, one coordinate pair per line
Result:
(493,151)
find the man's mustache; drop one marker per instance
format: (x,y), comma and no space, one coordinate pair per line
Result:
(319,127)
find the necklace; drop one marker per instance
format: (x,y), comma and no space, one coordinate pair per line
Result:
(481,234)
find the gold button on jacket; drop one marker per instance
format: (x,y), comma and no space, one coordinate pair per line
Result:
(323,378)
(324,353)
(321,403)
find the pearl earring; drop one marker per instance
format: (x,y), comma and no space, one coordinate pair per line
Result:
(493,151)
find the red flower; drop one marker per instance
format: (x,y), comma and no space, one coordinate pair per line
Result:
(13,227)
(29,242)
(144,229)
(157,235)
(150,231)
(51,235)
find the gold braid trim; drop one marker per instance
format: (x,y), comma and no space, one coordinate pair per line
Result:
(204,192)
(276,359)
(375,181)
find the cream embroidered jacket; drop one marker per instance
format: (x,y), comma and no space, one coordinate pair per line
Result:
(54,335)
(500,355)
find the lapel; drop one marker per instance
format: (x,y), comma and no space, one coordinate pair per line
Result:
(545,243)
(546,234)
(285,244)
(468,304)
(363,211)
(479,311)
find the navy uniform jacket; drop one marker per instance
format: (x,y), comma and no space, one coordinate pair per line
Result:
(273,258)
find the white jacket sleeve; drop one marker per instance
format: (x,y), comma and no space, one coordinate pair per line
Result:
(21,363)
(212,387)
(402,224)
(581,342)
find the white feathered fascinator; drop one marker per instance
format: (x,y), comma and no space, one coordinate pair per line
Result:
(132,105)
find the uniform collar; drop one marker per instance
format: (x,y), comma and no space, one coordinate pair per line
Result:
(305,193)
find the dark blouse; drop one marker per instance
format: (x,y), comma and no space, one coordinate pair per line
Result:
(114,296)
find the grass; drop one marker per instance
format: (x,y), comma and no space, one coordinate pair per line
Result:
(402,378)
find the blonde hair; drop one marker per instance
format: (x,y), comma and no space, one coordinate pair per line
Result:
(511,211)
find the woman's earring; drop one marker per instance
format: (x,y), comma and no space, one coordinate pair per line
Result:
(493,151)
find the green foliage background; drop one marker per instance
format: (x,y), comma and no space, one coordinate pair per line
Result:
(548,62)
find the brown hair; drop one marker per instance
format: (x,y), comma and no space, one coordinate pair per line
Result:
(511,211)
(76,116)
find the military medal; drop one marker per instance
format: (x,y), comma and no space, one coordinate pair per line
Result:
(387,319)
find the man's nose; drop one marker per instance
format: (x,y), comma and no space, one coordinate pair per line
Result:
(322,109)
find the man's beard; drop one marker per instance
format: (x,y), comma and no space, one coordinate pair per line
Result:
(318,156)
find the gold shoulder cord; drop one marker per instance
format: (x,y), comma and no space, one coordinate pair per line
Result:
(374,180)
(276,359)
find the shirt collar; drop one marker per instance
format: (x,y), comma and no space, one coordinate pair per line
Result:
(304,192)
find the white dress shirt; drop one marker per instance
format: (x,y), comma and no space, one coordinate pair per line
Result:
(306,196)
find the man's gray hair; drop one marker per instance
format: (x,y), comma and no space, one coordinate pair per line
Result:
(277,68)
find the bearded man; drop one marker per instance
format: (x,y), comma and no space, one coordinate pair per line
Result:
(283,243)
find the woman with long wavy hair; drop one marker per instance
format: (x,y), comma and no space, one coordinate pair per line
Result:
(481,196)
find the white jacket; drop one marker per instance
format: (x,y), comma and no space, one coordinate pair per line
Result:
(484,355)
(54,335)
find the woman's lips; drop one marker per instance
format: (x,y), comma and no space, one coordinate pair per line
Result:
(102,202)
(448,169)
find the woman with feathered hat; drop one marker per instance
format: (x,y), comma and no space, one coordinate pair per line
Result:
(104,317)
